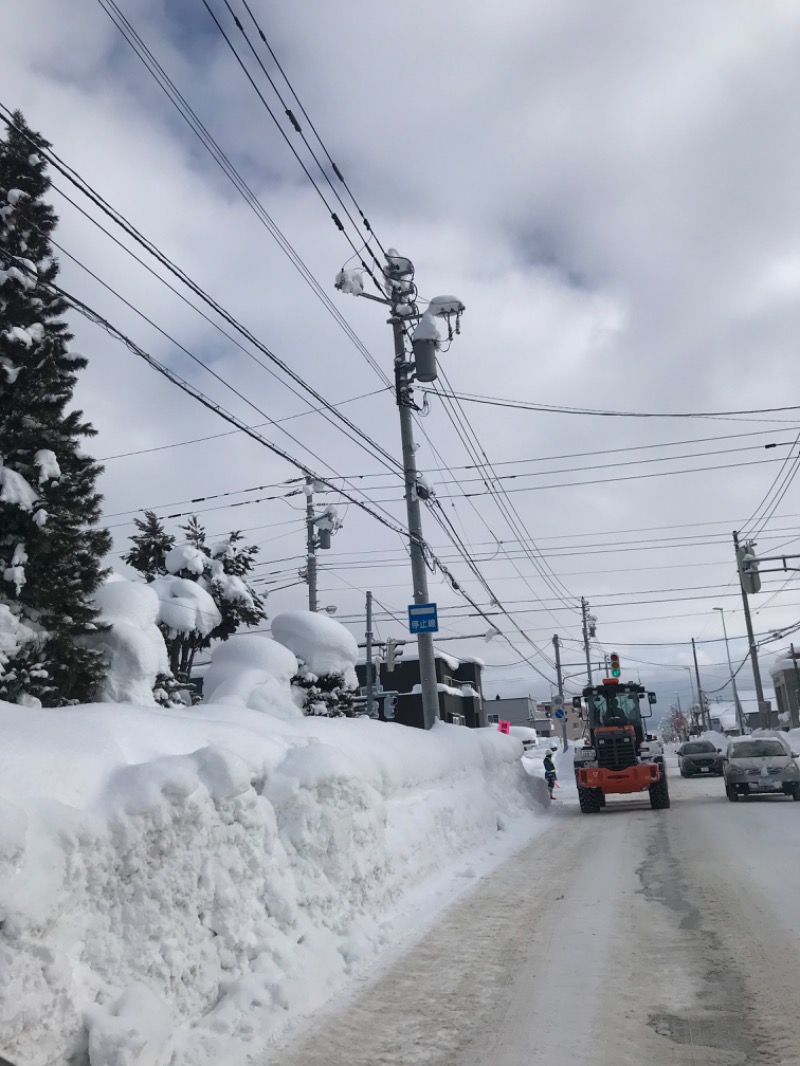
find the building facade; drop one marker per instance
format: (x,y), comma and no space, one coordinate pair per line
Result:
(458,682)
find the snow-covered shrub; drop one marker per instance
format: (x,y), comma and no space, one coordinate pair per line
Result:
(327,652)
(132,646)
(203,591)
(252,671)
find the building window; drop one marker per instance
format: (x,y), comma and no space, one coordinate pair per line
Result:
(492,719)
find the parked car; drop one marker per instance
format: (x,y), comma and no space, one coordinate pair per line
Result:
(699,757)
(527,735)
(760,765)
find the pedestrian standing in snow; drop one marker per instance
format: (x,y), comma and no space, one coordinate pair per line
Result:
(550,770)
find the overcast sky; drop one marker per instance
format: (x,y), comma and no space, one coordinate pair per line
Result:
(611,189)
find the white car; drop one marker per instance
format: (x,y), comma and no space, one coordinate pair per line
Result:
(528,736)
(760,766)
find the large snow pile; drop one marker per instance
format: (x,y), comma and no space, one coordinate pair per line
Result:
(252,671)
(132,644)
(325,646)
(177,885)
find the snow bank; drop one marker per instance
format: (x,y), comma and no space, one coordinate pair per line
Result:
(325,646)
(133,646)
(177,885)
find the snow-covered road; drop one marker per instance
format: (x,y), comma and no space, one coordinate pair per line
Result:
(624,938)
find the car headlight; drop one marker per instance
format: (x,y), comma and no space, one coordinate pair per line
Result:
(734,771)
(792,770)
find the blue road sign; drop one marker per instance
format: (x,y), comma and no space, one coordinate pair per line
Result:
(422,618)
(560,712)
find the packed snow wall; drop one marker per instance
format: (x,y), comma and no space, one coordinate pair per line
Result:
(176,885)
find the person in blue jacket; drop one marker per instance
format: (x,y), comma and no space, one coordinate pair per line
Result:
(550,775)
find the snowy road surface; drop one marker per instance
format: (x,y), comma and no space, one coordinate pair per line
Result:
(630,937)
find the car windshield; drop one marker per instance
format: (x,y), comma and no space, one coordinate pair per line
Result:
(756,749)
(699,747)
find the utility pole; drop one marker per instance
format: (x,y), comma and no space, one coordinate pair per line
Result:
(398,284)
(794,706)
(585,619)
(751,640)
(368,672)
(403,370)
(560,681)
(311,546)
(737,701)
(705,718)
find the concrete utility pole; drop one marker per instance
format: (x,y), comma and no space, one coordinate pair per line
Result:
(419,569)
(763,710)
(585,619)
(560,682)
(705,716)
(794,705)
(311,546)
(398,284)
(737,701)
(368,671)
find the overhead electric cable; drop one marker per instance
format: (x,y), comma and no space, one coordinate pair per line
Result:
(91,194)
(161,78)
(235,432)
(560,409)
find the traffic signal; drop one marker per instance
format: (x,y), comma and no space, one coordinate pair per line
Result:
(393,652)
(747,561)
(615,670)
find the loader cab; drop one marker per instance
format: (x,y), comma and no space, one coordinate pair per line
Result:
(617,706)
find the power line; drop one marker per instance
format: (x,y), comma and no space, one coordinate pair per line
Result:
(601,451)
(559,409)
(297,127)
(235,432)
(151,361)
(186,112)
(630,477)
(313,128)
(97,319)
(74,178)
(333,215)
(611,466)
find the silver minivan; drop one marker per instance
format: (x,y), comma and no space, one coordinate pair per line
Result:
(760,766)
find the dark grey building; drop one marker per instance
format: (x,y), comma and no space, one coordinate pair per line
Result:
(458,680)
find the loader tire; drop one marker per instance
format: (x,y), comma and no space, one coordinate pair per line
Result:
(659,794)
(587,798)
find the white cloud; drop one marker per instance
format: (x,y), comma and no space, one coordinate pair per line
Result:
(609,188)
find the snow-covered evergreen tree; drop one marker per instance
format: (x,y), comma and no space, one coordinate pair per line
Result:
(224,600)
(150,547)
(50,550)
(327,696)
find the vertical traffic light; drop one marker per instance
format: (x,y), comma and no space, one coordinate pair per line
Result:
(615,670)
